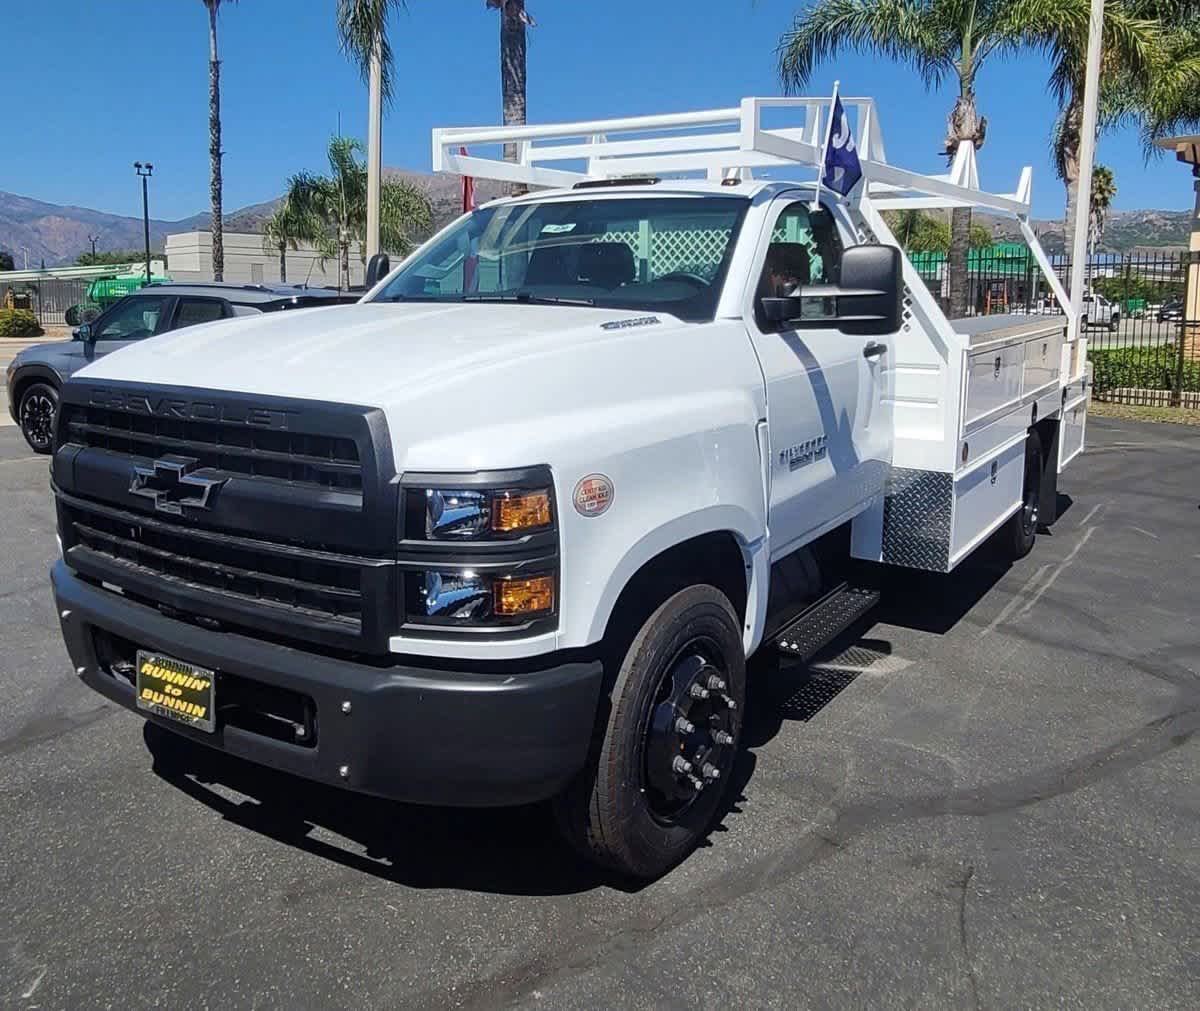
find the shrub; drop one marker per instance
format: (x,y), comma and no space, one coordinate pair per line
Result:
(1142,368)
(19,323)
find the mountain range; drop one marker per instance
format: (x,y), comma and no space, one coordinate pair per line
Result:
(57,233)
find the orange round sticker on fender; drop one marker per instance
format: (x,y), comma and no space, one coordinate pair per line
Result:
(593,495)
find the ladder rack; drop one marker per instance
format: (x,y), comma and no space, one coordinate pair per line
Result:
(732,143)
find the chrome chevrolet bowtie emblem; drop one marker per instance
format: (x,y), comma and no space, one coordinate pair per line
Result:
(171,485)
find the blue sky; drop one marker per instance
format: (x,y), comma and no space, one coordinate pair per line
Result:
(133,85)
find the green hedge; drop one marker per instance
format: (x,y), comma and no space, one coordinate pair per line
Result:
(19,323)
(1142,368)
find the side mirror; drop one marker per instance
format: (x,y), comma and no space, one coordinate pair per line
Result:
(378,267)
(873,279)
(869,300)
(83,333)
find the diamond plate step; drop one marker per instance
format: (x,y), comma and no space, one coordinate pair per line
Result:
(817,627)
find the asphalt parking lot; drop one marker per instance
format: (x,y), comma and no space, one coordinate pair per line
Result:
(990,799)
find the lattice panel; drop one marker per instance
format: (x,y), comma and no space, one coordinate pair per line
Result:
(692,250)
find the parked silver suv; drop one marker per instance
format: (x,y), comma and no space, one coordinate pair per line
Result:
(37,373)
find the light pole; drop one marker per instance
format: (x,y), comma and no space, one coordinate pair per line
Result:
(144,171)
(1087,154)
(93,239)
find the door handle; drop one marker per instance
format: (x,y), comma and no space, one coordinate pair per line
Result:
(874,350)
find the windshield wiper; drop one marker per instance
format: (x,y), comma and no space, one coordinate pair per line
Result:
(527,298)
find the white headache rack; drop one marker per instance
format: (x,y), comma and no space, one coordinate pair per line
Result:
(732,143)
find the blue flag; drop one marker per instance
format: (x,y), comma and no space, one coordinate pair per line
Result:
(842,169)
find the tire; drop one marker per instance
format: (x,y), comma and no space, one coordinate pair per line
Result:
(631,809)
(39,405)
(71,316)
(1114,324)
(1083,322)
(1019,533)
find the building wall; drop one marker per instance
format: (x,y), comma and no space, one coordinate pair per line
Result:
(189,258)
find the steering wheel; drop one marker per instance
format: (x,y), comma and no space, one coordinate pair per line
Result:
(683,275)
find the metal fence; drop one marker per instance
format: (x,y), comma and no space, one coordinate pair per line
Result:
(1140,350)
(48,298)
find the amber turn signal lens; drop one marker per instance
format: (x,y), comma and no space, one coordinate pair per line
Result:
(513,510)
(523,596)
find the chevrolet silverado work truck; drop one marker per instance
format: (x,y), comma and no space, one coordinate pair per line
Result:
(508,529)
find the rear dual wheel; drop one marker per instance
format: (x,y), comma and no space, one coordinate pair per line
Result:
(663,765)
(1019,533)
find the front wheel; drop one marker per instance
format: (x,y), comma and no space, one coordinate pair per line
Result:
(1018,534)
(1114,324)
(36,412)
(658,776)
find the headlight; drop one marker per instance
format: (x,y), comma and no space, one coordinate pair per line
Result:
(480,551)
(468,596)
(462,514)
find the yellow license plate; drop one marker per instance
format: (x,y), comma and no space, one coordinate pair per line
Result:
(175,689)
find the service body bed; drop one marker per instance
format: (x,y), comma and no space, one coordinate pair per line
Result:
(1000,376)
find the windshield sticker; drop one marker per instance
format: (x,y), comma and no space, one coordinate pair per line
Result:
(559,229)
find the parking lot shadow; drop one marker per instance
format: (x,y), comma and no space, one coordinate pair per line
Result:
(512,851)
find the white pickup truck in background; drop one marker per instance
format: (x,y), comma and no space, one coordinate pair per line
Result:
(509,529)
(1098,311)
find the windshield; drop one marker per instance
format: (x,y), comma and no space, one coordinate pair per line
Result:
(659,254)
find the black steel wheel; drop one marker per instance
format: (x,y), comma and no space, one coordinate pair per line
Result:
(39,402)
(1019,533)
(687,744)
(667,752)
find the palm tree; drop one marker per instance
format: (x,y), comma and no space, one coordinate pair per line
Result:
(214,140)
(331,211)
(919,232)
(1104,191)
(1132,57)
(362,26)
(940,39)
(284,229)
(514,19)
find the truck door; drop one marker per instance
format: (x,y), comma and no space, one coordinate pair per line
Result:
(827,413)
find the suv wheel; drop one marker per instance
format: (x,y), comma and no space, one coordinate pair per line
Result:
(36,412)
(663,765)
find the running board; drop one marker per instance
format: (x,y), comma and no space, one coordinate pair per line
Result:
(828,618)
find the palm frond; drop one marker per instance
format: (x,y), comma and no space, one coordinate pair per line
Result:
(901,30)
(360,24)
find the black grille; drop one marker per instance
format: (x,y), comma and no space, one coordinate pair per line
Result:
(296,539)
(329,586)
(324,460)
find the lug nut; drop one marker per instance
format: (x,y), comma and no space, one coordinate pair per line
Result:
(716,684)
(699,692)
(344,771)
(681,765)
(711,771)
(683,726)
(729,702)
(721,737)
(697,784)
(346,707)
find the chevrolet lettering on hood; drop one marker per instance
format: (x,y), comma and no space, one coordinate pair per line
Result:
(166,406)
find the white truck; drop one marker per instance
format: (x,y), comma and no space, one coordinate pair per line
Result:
(509,529)
(1098,311)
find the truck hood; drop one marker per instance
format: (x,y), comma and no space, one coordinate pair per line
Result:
(372,354)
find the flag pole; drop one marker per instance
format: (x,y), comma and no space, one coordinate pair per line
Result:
(825,147)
